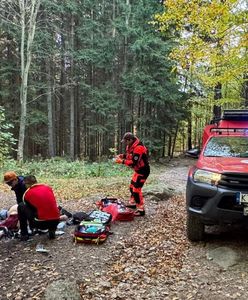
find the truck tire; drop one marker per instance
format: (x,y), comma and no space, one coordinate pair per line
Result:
(195,228)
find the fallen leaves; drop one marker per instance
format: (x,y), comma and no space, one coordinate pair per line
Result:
(153,252)
(68,189)
(141,260)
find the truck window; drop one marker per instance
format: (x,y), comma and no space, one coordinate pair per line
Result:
(228,146)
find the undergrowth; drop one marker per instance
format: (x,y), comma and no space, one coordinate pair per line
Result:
(61,168)
(77,179)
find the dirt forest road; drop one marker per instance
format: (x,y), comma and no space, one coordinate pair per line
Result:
(217,268)
(149,258)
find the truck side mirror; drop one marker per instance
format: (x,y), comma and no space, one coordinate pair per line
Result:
(194,153)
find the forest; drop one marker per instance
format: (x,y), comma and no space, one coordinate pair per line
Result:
(76,75)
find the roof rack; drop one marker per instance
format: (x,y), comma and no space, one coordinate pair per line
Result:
(235,114)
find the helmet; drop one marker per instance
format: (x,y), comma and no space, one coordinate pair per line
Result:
(9,176)
(128,136)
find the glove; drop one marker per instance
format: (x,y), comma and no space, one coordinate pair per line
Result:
(119,160)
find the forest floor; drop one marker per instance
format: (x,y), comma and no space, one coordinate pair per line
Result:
(148,258)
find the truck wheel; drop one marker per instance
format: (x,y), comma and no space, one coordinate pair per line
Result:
(195,228)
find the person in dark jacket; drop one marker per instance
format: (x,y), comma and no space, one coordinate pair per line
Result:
(39,208)
(16,183)
(135,157)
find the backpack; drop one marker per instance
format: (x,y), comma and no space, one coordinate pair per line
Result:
(64,212)
(107,201)
(91,232)
(100,216)
(116,208)
(79,217)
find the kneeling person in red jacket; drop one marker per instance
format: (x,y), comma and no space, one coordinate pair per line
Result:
(39,208)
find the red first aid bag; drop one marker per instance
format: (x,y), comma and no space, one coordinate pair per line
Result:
(91,232)
(116,208)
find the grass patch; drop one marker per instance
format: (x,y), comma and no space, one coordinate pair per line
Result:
(61,168)
(78,179)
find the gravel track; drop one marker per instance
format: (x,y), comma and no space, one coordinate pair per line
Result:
(133,263)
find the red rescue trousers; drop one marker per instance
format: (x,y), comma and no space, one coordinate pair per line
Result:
(136,185)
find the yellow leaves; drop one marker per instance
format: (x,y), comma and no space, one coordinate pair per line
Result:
(212,41)
(244,41)
(194,10)
(213,18)
(4,188)
(152,271)
(228,101)
(190,52)
(118,267)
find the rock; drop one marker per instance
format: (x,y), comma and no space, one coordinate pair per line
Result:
(158,192)
(223,256)
(62,290)
(154,199)
(105,284)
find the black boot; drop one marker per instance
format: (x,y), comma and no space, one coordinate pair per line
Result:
(51,234)
(139,213)
(132,206)
(24,237)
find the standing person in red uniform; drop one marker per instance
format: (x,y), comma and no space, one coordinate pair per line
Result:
(39,208)
(136,157)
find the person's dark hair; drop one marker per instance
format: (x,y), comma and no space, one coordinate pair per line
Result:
(30,180)
(128,136)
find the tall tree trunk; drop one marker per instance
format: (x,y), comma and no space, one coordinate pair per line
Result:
(169,146)
(62,101)
(124,126)
(91,133)
(217,96)
(189,133)
(72,99)
(245,90)
(25,63)
(174,141)
(51,144)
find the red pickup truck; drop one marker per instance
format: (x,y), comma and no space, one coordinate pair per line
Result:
(217,185)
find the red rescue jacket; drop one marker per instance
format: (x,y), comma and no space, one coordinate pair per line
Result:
(136,157)
(42,199)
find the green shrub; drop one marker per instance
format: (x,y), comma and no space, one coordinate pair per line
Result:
(6,138)
(61,168)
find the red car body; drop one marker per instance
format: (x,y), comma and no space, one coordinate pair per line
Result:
(217,186)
